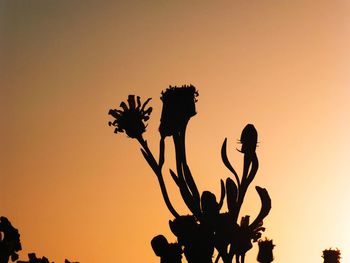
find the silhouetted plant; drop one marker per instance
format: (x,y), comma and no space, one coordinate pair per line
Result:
(265,254)
(331,256)
(33,259)
(206,229)
(10,242)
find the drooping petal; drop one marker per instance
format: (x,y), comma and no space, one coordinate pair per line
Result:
(144,104)
(113,113)
(148,111)
(123,105)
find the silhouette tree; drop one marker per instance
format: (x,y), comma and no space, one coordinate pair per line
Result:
(10,242)
(206,229)
(331,256)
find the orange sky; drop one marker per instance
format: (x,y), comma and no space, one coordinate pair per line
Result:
(76,190)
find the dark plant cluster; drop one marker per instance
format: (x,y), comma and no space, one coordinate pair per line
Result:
(10,245)
(207,230)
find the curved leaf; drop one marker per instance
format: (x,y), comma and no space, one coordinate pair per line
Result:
(227,162)
(265,206)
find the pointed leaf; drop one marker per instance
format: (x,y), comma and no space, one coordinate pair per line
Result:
(174,176)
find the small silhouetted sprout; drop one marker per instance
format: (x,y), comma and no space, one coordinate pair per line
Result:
(265,254)
(168,253)
(331,255)
(33,259)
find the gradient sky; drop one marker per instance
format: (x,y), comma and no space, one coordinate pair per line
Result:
(76,190)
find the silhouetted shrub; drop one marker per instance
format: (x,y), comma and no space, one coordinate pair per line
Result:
(10,242)
(206,229)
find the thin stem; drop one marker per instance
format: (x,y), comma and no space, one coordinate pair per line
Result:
(161,152)
(157,170)
(186,170)
(183,187)
(247,177)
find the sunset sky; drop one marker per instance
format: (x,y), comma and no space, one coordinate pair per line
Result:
(76,190)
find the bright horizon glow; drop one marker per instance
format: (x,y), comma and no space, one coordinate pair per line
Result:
(75,190)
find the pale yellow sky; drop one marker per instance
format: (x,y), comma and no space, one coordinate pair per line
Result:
(76,190)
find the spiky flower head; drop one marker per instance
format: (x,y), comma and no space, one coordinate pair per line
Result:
(178,108)
(331,255)
(132,119)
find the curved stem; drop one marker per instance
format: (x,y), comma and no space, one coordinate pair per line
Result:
(157,170)
(250,168)
(227,162)
(186,170)
(183,187)
(254,169)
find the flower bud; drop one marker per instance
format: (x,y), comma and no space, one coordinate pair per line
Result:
(178,108)
(249,139)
